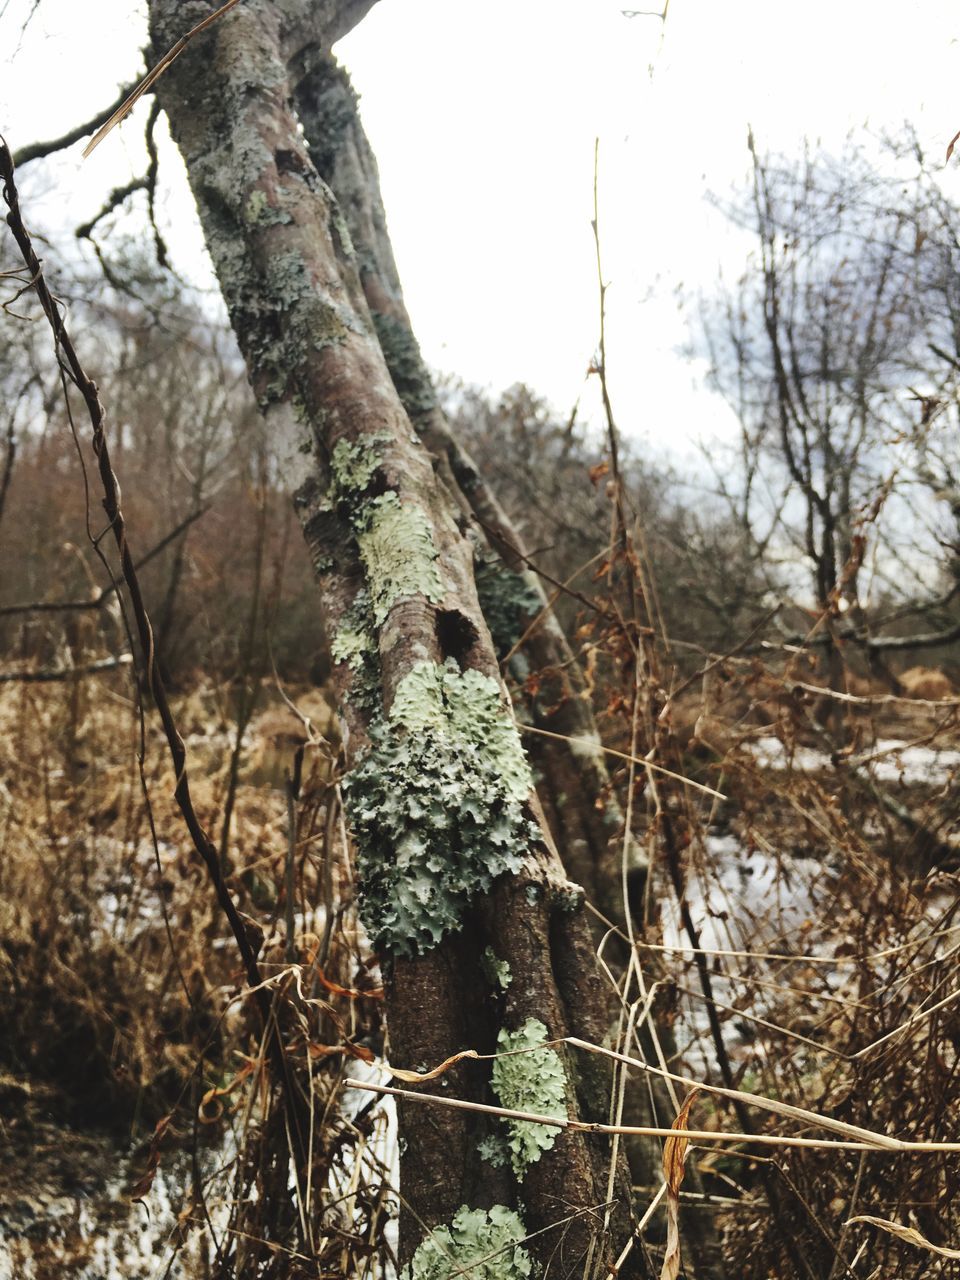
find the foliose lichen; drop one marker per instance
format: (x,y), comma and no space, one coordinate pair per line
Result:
(569,898)
(464,705)
(507,599)
(482,1243)
(310,317)
(497,972)
(258,211)
(355,643)
(350,645)
(341,231)
(437,806)
(396,546)
(531,1081)
(353,463)
(493,1148)
(408,372)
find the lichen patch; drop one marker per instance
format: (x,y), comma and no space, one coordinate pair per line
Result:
(531,1081)
(398,553)
(437,806)
(482,1243)
(507,600)
(354,463)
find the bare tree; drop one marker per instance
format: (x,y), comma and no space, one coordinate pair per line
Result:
(844,308)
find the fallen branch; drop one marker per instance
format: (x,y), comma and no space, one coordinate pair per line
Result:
(890,1146)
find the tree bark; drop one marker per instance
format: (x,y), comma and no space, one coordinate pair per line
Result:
(416,670)
(574,786)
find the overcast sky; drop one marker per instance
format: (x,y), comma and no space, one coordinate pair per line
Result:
(483,117)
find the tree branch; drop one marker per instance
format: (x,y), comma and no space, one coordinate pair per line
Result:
(37,150)
(97,601)
(49,675)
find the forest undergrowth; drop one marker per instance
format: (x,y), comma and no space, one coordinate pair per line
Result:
(779,944)
(828,939)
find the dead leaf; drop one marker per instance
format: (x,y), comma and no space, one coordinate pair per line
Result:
(361,1051)
(348,1049)
(335,989)
(415,1077)
(674,1158)
(897,1228)
(590,670)
(211,1108)
(324,1050)
(951,144)
(145,1182)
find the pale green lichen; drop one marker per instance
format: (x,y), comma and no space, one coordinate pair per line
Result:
(338,225)
(569,898)
(531,1081)
(355,643)
(497,972)
(493,1148)
(259,212)
(464,705)
(437,806)
(484,1244)
(350,645)
(396,546)
(353,463)
(306,317)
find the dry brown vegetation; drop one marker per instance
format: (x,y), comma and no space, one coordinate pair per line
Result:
(784,933)
(820,891)
(125,1011)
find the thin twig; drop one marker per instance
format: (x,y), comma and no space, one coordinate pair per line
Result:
(152,76)
(889,1146)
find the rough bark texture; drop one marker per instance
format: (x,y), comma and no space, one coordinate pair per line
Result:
(395,570)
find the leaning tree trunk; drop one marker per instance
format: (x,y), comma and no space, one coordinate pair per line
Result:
(579,802)
(573,784)
(482,938)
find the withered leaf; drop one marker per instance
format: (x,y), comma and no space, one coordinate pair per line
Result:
(348,1049)
(143,1184)
(415,1077)
(335,988)
(909,1234)
(674,1157)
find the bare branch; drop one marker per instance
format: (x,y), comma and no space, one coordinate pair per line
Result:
(38,150)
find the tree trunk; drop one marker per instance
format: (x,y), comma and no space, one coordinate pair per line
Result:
(483,940)
(574,786)
(582,811)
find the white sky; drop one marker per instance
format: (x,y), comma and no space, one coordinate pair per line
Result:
(483,117)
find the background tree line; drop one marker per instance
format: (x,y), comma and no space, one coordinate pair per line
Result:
(836,350)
